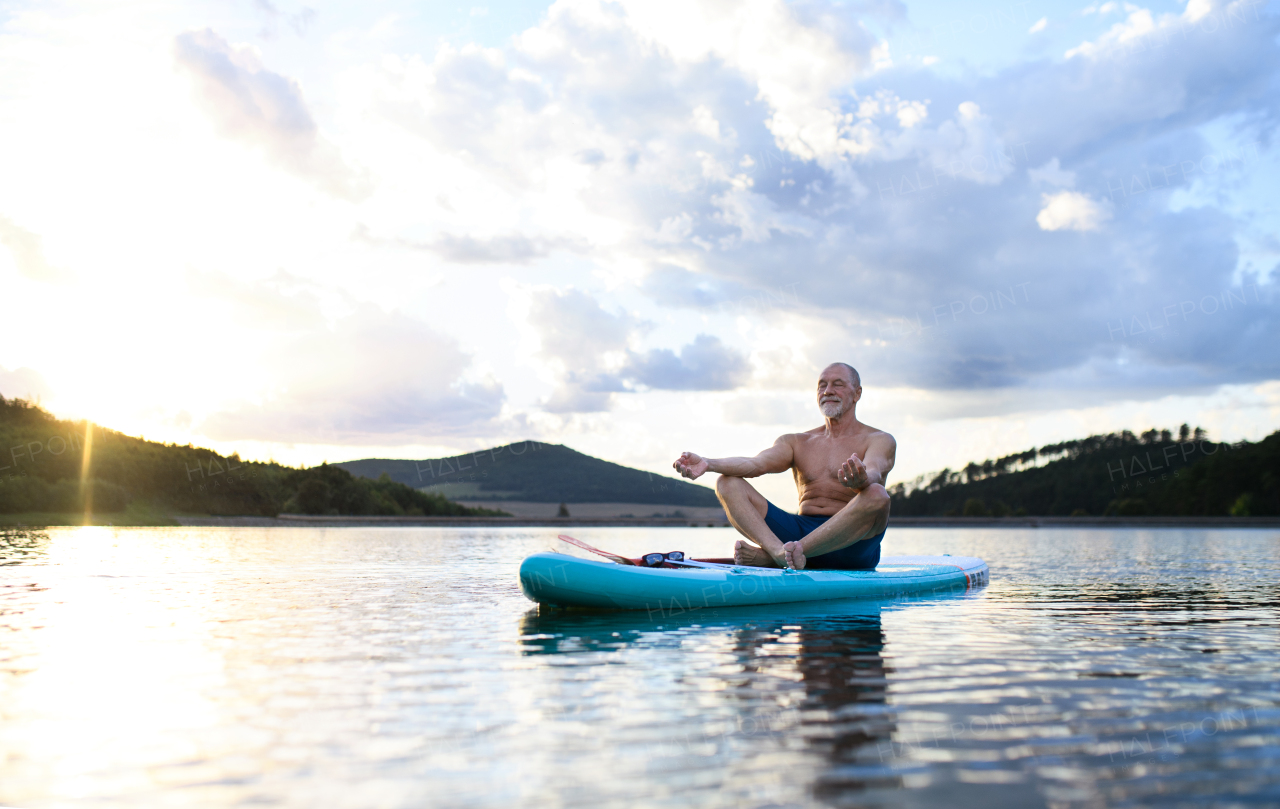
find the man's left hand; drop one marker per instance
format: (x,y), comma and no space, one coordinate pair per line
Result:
(853,474)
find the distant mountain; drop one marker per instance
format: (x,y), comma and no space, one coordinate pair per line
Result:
(535,472)
(1124,474)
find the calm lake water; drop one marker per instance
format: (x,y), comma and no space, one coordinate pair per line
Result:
(403,667)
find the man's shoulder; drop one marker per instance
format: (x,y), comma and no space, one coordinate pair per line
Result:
(876,434)
(867,433)
(817,432)
(820,432)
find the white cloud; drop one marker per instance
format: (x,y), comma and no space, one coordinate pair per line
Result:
(1197,10)
(371,376)
(756,216)
(1071,210)
(249,103)
(1052,174)
(911,113)
(705,122)
(796,68)
(584,344)
(596,354)
(705,364)
(300,21)
(1137,25)
(1039,25)
(965,146)
(674,229)
(575,329)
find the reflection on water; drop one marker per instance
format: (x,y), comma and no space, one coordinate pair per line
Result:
(19,545)
(836,707)
(813,681)
(845,676)
(402,667)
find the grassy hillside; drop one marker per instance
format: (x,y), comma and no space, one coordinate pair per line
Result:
(51,467)
(1122,474)
(540,473)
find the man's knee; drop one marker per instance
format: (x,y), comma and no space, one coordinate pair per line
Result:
(874,499)
(728,486)
(878,503)
(877,497)
(728,483)
(739,490)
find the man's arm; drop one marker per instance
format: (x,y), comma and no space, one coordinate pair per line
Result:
(777,458)
(859,473)
(882,453)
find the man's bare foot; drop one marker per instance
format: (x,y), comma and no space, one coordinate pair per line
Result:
(794,553)
(744,553)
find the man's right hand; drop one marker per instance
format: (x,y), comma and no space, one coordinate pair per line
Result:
(853,474)
(690,466)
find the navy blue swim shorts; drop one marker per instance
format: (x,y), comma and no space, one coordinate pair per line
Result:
(861,555)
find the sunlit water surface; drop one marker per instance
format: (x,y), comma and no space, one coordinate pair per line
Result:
(403,667)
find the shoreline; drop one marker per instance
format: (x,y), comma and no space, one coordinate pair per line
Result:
(299,520)
(24,521)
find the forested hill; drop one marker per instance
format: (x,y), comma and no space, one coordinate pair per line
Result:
(44,457)
(538,473)
(1155,473)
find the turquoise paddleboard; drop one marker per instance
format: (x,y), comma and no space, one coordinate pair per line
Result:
(568,581)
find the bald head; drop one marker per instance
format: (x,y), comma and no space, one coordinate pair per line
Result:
(854,378)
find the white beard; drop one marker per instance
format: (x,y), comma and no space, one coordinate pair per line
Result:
(832,410)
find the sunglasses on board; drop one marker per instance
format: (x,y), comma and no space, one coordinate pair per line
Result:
(658,559)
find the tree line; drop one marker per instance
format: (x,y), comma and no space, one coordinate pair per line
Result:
(1158,472)
(49,465)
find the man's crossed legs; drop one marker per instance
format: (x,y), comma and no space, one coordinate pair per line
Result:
(830,542)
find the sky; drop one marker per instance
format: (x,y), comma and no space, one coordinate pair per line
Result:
(326,231)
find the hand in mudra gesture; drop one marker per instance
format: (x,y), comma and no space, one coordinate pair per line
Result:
(853,473)
(690,466)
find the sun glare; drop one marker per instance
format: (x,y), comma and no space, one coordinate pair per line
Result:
(86,485)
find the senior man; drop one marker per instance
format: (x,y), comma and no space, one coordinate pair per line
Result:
(840,470)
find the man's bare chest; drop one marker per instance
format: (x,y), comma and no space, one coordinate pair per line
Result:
(821,459)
